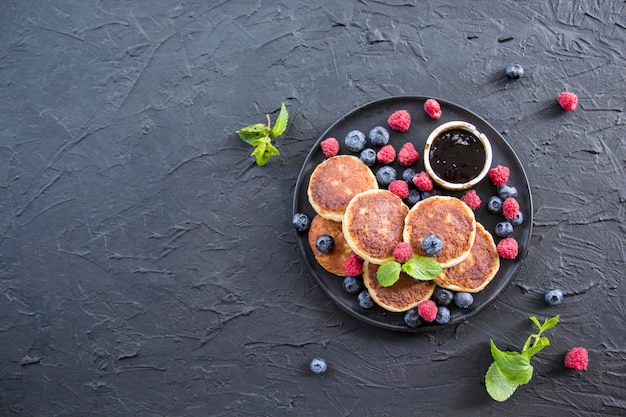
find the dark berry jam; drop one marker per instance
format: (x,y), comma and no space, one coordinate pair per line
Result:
(457,156)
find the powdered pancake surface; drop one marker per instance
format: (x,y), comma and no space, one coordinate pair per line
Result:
(335,260)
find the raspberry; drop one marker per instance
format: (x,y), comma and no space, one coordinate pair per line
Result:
(408,155)
(427,309)
(330,147)
(499,175)
(399,188)
(423,181)
(432,107)
(353,266)
(471,199)
(507,248)
(402,252)
(577,358)
(510,207)
(400,121)
(386,154)
(568,101)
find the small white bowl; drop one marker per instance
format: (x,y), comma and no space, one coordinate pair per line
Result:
(481,166)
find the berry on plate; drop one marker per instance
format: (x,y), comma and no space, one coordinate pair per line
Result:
(443,296)
(432,244)
(412,318)
(499,175)
(351,285)
(423,181)
(463,299)
(353,265)
(368,156)
(301,222)
(510,208)
(471,199)
(402,252)
(427,310)
(330,147)
(355,141)
(379,136)
(399,188)
(443,315)
(400,121)
(386,154)
(408,155)
(432,108)
(507,248)
(386,175)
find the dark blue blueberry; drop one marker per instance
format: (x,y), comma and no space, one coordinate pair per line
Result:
(408,174)
(426,194)
(463,299)
(351,285)
(553,297)
(355,141)
(301,222)
(318,365)
(507,191)
(412,319)
(368,156)
(414,197)
(494,204)
(432,244)
(504,229)
(443,297)
(325,243)
(519,219)
(385,175)
(365,299)
(379,136)
(514,70)
(443,315)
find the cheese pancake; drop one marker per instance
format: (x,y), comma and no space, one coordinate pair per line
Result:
(335,260)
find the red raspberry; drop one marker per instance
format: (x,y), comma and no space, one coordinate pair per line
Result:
(577,358)
(402,252)
(330,147)
(399,188)
(353,265)
(499,175)
(427,309)
(471,199)
(408,155)
(510,207)
(432,107)
(386,154)
(423,181)
(568,101)
(400,121)
(507,248)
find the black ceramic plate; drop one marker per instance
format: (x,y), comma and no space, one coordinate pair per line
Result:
(374,114)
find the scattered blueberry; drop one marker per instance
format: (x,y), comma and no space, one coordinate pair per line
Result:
(443,297)
(301,222)
(432,244)
(414,197)
(408,174)
(365,299)
(412,318)
(385,175)
(553,297)
(355,141)
(325,243)
(519,219)
(443,315)
(318,365)
(514,70)
(368,156)
(379,136)
(351,285)
(425,195)
(494,204)
(507,191)
(504,229)
(463,299)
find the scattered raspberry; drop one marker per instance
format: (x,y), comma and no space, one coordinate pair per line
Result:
(408,155)
(577,358)
(423,181)
(433,108)
(402,252)
(568,101)
(400,121)
(330,147)
(471,199)
(386,154)
(510,207)
(353,266)
(499,175)
(507,248)
(427,309)
(399,188)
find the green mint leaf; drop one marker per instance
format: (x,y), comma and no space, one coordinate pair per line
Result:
(538,346)
(422,268)
(498,386)
(534,320)
(250,133)
(549,323)
(514,366)
(388,273)
(263,152)
(281,122)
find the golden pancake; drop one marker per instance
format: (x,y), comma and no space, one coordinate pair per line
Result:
(335,181)
(477,270)
(447,217)
(373,224)
(335,260)
(404,295)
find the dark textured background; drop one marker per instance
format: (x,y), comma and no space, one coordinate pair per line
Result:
(149,268)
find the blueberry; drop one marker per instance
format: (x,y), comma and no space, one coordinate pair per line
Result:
(514,70)
(325,243)
(318,365)
(494,205)
(519,219)
(553,297)
(365,299)
(351,285)
(432,244)
(443,297)
(412,319)
(463,299)
(385,175)
(379,136)
(407,175)
(368,156)
(414,197)
(507,191)
(301,222)
(443,315)
(425,195)
(504,229)
(355,141)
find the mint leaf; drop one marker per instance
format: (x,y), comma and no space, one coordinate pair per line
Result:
(388,273)
(539,345)
(281,122)
(549,323)
(534,320)
(250,133)
(514,366)
(498,386)
(422,268)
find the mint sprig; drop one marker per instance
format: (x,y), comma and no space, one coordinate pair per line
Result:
(258,135)
(509,370)
(421,268)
